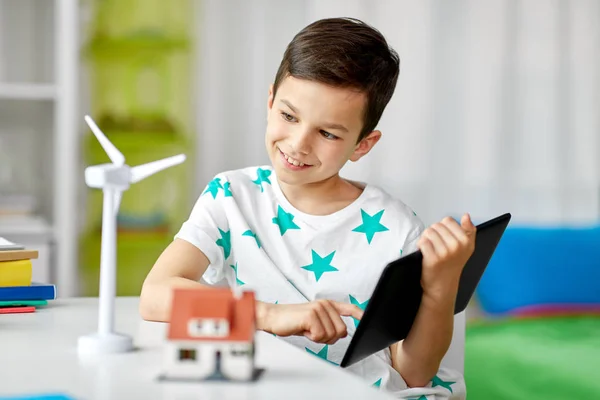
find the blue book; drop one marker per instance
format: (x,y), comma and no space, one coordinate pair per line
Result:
(36,291)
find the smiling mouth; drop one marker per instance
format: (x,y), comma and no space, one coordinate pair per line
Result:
(293,161)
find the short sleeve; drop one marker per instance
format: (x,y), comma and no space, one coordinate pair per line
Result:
(410,245)
(207,228)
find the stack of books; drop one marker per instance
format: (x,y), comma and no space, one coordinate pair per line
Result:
(18,294)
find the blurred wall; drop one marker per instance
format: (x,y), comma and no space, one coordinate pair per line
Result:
(496,108)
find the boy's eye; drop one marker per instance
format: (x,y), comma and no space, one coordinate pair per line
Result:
(328,135)
(288,117)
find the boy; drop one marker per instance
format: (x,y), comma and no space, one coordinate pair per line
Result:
(310,243)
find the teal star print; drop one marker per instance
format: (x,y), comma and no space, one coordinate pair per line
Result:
(377,384)
(235,270)
(227,189)
(320,265)
(252,234)
(213,187)
(262,176)
(225,242)
(370,224)
(436,381)
(321,354)
(422,397)
(284,220)
(360,305)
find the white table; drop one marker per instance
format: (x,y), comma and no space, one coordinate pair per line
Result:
(38,354)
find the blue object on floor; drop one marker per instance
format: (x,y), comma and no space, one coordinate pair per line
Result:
(542,266)
(49,396)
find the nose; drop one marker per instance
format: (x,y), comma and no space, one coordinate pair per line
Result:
(300,142)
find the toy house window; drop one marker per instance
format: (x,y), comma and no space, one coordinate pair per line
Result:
(187,354)
(221,328)
(206,327)
(240,352)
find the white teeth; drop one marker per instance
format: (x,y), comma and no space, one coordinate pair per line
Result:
(293,161)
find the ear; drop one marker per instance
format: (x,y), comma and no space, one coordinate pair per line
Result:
(270,98)
(365,145)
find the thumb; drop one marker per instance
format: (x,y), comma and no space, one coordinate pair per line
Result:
(467,224)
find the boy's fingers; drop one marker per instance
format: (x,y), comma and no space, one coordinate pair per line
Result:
(338,324)
(459,233)
(426,248)
(314,330)
(348,310)
(326,322)
(467,224)
(447,235)
(436,241)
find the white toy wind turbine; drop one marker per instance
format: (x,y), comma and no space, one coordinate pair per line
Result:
(113,179)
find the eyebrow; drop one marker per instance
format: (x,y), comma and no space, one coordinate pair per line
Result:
(328,126)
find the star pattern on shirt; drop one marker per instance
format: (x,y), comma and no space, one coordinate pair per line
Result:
(322,354)
(235,271)
(227,189)
(422,397)
(225,242)
(320,265)
(284,221)
(262,176)
(360,305)
(252,234)
(370,224)
(437,381)
(377,383)
(213,187)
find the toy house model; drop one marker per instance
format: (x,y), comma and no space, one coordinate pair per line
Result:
(211,335)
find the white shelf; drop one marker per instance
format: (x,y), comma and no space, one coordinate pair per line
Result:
(24,225)
(27,91)
(39,42)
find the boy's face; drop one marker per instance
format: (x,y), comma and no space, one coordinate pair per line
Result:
(312,130)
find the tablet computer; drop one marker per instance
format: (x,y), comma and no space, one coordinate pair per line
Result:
(392,309)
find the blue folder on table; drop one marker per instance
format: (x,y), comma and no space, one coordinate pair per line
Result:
(35,291)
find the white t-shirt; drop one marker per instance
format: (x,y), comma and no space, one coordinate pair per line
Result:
(248,230)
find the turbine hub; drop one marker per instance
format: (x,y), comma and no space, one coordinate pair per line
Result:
(103,175)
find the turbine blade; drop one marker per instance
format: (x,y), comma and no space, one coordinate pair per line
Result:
(145,170)
(113,153)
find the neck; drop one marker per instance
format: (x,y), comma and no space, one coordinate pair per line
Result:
(321,198)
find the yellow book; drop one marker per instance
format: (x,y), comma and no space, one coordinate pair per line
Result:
(15,273)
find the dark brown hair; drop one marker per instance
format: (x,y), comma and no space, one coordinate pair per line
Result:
(348,53)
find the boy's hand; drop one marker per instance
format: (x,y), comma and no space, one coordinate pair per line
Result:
(446,248)
(320,321)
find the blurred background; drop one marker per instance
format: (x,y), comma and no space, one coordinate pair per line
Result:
(496,110)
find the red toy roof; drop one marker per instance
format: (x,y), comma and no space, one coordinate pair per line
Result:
(212,303)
